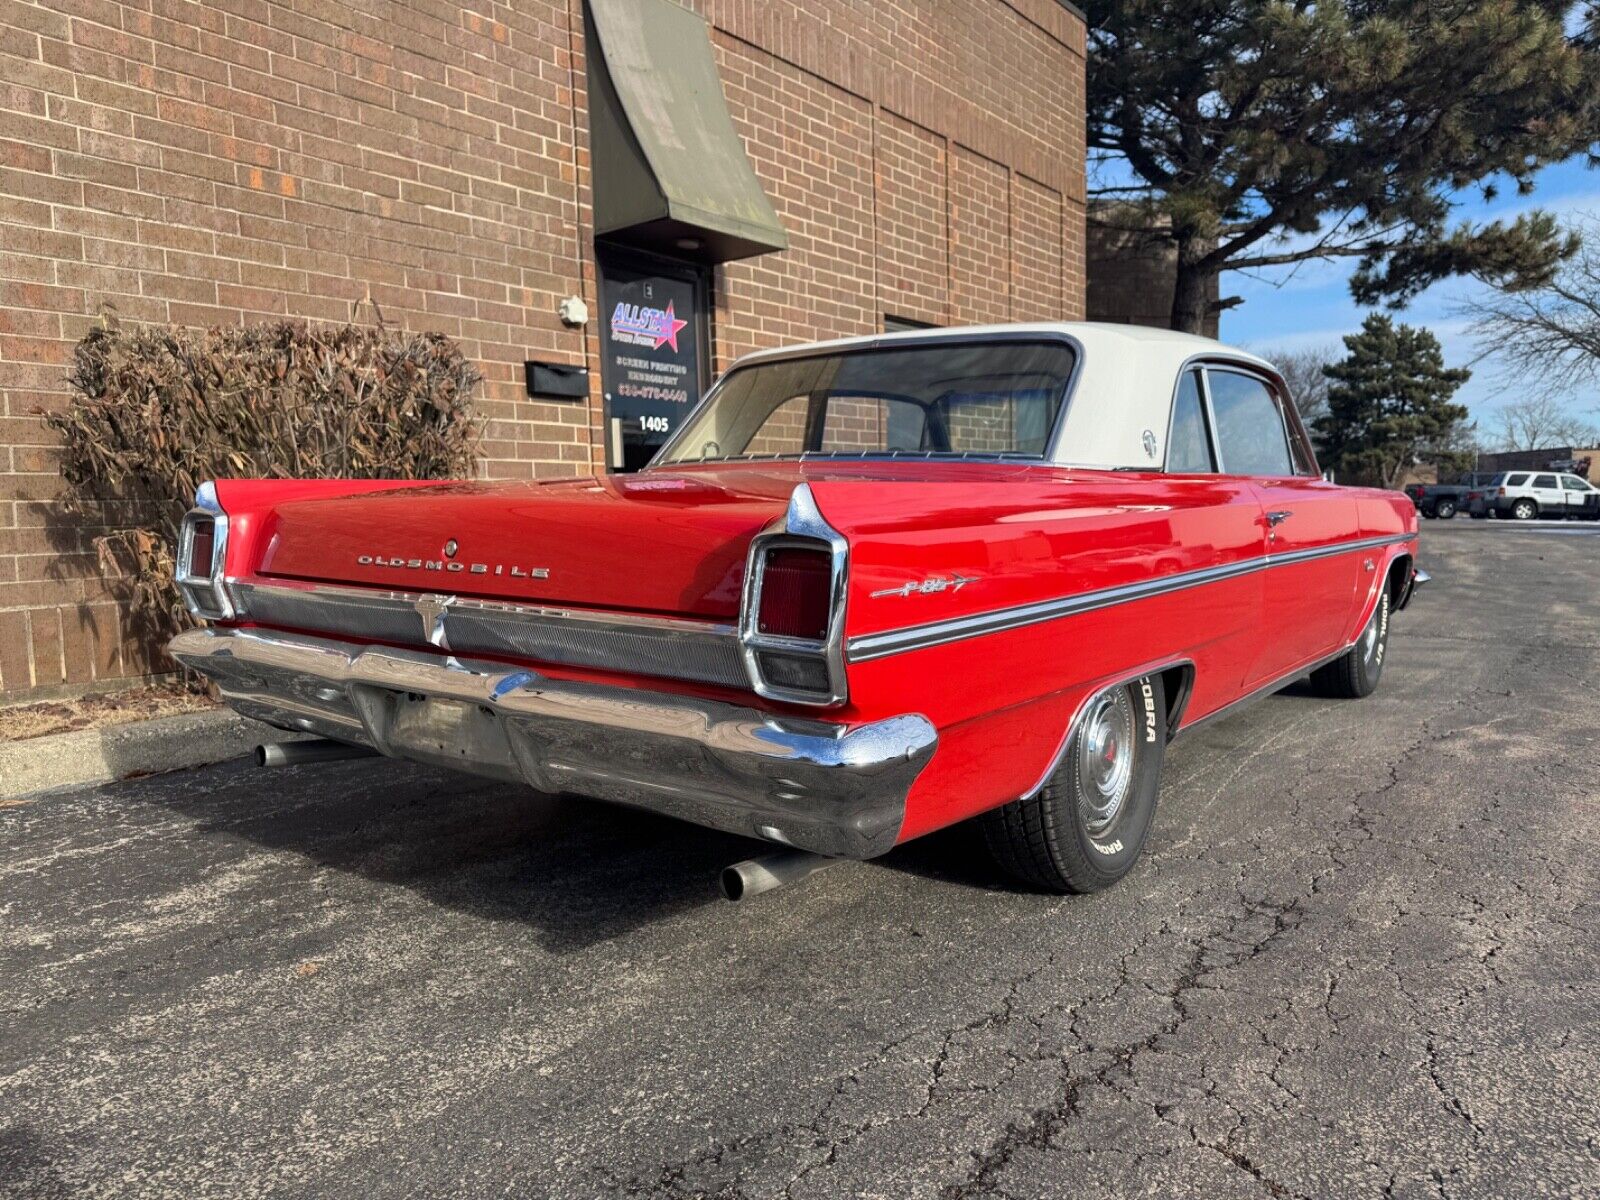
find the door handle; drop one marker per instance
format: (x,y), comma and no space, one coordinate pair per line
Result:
(1275,519)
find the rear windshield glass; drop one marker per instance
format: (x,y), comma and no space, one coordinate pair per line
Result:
(975,398)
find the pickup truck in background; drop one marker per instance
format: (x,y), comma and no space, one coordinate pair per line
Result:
(1444,500)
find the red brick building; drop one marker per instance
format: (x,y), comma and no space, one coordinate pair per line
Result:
(247,159)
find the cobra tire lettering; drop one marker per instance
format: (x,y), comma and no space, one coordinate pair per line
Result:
(1149,695)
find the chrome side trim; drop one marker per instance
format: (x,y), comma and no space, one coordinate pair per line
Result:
(866,647)
(668,647)
(821,786)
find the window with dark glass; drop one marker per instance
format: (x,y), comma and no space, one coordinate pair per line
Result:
(1189,444)
(1544,481)
(1250,429)
(990,398)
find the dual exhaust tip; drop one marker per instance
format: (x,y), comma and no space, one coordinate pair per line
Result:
(741,881)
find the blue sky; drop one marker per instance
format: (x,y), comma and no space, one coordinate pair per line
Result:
(1310,306)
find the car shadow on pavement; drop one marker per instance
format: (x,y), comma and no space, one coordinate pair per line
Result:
(575,871)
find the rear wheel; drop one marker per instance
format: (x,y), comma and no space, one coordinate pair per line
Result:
(1356,672)
(1445,509)
(1524,510)
(1084,829)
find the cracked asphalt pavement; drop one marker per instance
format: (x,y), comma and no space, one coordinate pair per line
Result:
(1360,958)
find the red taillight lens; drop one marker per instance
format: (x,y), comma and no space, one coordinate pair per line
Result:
(795,586)
(202,548)
(1501,492)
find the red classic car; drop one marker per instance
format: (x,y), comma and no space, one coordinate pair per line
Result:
(869,589)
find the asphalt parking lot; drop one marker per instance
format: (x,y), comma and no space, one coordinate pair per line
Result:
(1362,958)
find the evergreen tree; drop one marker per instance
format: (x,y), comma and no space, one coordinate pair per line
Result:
(1389,404)
(1257,133)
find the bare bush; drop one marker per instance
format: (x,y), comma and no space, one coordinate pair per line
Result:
(157,411)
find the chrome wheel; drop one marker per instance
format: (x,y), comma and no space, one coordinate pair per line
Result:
(1105,760)
(1369,639)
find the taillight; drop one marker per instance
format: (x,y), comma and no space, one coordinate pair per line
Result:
(202,547)
(796,586)
(1501,492)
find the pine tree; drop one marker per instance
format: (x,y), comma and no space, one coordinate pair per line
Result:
(1257,133)
(1388,403)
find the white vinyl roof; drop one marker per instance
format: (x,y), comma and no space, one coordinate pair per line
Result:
(1124,386)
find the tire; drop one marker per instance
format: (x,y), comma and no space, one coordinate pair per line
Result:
(1356,672)
(1062,839)
(1445,510)
(1524,510)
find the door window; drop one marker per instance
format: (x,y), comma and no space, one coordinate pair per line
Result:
(1544,481)
(1573,484)
(1189,443)
(1250,432)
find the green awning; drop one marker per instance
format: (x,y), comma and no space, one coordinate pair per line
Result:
(670,173)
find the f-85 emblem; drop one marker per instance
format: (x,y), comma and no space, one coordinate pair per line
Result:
(930,586)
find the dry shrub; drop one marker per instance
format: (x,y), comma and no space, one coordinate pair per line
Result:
(156,412)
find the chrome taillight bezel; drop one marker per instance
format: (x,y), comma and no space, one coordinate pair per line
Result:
(204,591)
(801,527)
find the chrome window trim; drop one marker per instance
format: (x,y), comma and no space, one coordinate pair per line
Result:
(867,647)
(898,341)
(802,525)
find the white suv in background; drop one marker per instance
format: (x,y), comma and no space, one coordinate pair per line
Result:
(1524,495)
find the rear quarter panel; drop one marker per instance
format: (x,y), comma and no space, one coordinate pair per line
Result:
(1002,701)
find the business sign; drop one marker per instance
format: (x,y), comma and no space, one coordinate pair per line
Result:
(652,362)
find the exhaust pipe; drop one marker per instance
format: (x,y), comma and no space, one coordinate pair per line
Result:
(290,754)
(757,875)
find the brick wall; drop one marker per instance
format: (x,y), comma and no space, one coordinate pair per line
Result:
(1131,272)
(225,162)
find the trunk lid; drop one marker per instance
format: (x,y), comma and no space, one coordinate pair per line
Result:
(659,542)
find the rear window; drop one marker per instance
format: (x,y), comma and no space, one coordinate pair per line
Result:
(991,397)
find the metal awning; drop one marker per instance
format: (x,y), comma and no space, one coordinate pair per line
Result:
(670,173)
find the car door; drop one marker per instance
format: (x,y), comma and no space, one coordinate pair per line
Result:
(1309,585)
(1547,494)
(1574,495)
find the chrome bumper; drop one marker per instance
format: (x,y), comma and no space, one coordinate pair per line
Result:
(817,785)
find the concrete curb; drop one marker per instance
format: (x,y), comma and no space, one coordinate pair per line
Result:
(83,756)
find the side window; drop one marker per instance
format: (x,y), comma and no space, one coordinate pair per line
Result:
(869,423)
(1250,429)
(1544,481)
(1189,443)
(1516,481)
(1573,484)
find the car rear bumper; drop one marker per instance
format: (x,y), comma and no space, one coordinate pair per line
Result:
(821,786)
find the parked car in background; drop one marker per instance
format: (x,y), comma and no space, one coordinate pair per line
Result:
(869,589)
(1444,500)
(1525,495)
